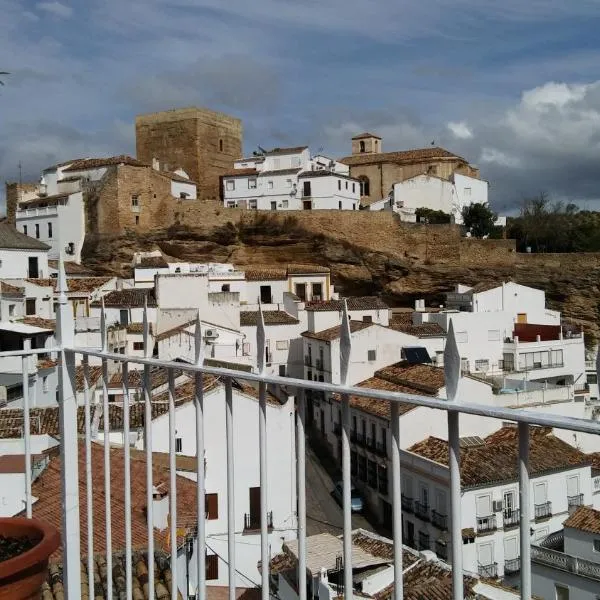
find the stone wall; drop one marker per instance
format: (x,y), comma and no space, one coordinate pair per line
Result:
(202,142)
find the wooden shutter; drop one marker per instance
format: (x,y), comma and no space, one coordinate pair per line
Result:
(212,566)
(212,506)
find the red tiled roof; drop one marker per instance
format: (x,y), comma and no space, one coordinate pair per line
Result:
(265,273)
(6,289)
(241,172)
(366,134)
(497,458)
(333,333)
(422,330)
(94,163)
(128,298)
(402,157)
(279,172)
(49,324)
(585,519)
(306,269)
(425,378)
(71,268)
(77,285)
(353,303)
(271,317)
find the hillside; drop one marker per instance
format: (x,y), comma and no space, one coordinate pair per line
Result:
(369,253)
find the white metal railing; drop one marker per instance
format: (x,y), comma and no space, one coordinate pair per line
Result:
(73,504)
(565,562)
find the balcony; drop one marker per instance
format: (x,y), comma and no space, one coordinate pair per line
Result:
(441,549)
(407,504)
(511,518)
(574,501)
(84,512)
(440,521)
(252,522)
(421,511)
(486,524)
(565,562)
(512,566)
(381,449)
(543,511)
(488,571)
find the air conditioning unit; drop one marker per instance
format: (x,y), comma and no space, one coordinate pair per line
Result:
(211,334)
(497,505)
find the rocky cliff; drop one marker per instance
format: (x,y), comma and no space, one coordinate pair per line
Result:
(368,253)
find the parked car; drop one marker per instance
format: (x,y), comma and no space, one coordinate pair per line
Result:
(356,499)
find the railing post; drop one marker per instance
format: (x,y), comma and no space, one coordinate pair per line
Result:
(396,502)
(301,487)
(345,352)
(452,379)
(27,428)
(68,442)
(524,501)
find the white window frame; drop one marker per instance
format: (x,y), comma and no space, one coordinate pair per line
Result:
(253,204)
(284,204)
(135,200)
(230,185)
(270,184)
(252,183)
(373,353)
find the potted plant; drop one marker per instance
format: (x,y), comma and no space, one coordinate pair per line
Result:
(25,547)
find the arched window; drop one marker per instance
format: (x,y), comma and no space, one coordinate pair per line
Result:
(365,186)
(220,145)
(362,146)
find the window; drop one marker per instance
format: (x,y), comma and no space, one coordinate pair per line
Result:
(306,190)
(212,567)
(137,219)
(301,291)
(252,183)
(30,306)
(230,204)
(182,195)
(362,146)
(467,191)
(482,365)
(265,294)
(462,337)
(11,310)
(372,355)
(178,444)
(561,592)
(493,335)
(270,185)
(339,184)
(45,383)
(372,473)
(211,506)
(220,145)
(432,170)
(25,229)
(317,291)
(309,375)
(49,231)
(253,204)
(592,378)
(353,188)
(37,231)
(138,345)
(284,204)
(340,205)
(288,183)
(346,185)
(230,185)
(367,318)
(282,372)
(365,186)
(135,201)
(282,344)
(597,545)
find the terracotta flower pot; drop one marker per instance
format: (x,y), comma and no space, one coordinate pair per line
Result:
(21,577)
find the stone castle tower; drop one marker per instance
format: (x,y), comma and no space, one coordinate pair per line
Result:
(202,142)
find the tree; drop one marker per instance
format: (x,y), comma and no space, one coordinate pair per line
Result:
(478,219)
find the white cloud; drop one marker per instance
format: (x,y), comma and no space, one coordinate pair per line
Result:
(55,8)
(492,155)
(460,130)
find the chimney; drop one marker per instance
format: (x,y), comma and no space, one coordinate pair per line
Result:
(156,164)
(160,506)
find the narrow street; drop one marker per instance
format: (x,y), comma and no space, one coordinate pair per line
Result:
(323,513)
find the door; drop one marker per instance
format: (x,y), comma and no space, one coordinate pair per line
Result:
(34,272)
(410,533)
(255,507)
(124,317)
(306,190)
(440,502)
(539,493)
(511,548)
(307,205)
(572,486)
(424,495)
(485,554)
(273,205)
(508,504)
(301,291)
(265,294)
(323,422)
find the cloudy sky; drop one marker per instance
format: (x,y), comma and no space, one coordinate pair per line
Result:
(514,86)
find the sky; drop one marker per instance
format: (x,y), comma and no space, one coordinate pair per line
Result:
(513,86)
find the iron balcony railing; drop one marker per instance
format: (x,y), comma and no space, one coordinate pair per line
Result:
(77,501)
(441,549)
(512,566)
(511,518)
(407,504)
(543,511)
(422,510)
(252,521)
(488,571)
(486,524)
(565,562)
(439,520)
(381,449)
(424,543)
(575,501)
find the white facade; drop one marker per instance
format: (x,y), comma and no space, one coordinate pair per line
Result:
(17,263)
(288,179)
(281,457)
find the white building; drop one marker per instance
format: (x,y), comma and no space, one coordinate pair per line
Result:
(20,255)
(328,313)
(288,179)
(560,481)
(566,565)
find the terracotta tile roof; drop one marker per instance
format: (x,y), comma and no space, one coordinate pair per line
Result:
(152,262)
(71,268)
(94,377)
(265,273)
(62,164)
(425,378)
(497,459)
(402,157)
(306,269)
(271,317)
(353,303)
(6,289)
(53,588)
(12,239)
(279,172)
(39,322)
(333,333)
(15,463)
(46,364)
(174,330)
(241,173)
(158,377)
(585,519)
(137,328)
(366,134)
(422,330)
(595,460)
(49,505)
(325,173)
(293,150)
(221,592)
(94,163)
(128,298)
(77,285)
